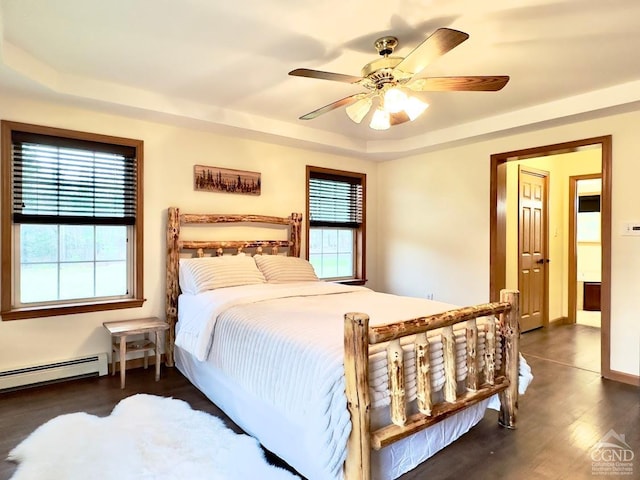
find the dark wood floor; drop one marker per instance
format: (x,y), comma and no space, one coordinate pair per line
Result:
(573,345)
(566,410)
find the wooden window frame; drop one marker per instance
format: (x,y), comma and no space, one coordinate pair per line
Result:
(8,311)
(361,232)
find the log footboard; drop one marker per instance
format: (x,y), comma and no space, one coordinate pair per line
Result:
(480,383)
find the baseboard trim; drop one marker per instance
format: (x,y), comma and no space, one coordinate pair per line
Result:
(559,321)
(622,377)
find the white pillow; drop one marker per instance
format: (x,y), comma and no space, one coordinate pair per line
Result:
(200,274)
(279,269)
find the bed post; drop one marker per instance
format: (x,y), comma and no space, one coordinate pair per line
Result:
(296,228)
(171,303)
(356,367)
(511,349)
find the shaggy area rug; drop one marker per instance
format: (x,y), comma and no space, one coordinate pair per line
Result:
(146,437)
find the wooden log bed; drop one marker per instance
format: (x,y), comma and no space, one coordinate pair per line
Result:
(499,328)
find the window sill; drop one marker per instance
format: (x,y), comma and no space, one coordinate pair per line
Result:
(350,281)
(51,311)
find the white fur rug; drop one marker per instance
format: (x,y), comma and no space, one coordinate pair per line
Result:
(145,437)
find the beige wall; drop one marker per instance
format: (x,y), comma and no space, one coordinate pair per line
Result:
(435,214)
(434,208)
(560,168)
(170,154)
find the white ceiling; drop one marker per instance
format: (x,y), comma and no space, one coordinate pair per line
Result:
(222,65)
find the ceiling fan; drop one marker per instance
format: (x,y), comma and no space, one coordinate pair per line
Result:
(391,80)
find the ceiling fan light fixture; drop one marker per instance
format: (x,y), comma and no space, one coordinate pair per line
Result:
(394,100)
(391,80)
(414,107)
(358,110)
(380,120)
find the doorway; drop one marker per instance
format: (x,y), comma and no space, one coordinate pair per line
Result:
(585,250)
(498,224)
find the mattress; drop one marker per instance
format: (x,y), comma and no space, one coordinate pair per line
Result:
(271,357)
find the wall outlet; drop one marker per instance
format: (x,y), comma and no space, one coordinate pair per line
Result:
(429,296)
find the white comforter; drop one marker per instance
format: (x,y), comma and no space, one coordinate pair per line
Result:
(284,344)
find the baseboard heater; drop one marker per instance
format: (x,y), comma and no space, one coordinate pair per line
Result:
(92,365)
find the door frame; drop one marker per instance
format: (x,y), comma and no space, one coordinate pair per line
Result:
(545,235)
(573,243)
(498,231)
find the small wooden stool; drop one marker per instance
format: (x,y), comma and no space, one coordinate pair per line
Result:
(124,328)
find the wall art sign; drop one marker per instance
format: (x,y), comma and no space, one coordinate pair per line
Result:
(214,179)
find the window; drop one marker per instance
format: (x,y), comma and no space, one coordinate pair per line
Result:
(71,222)
(336,228)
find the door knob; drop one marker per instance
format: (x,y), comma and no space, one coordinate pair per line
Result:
(541,261)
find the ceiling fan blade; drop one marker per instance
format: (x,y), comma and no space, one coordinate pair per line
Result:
(332,106)
(398,118)
(459,84)
(436,45)
(336,77)
(359,109)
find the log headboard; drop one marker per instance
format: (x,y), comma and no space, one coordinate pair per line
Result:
(176,245)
